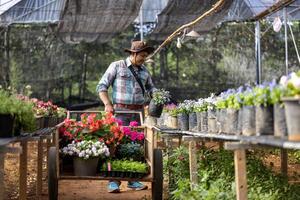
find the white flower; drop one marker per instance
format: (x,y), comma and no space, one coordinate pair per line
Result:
(296,82)
(283,80)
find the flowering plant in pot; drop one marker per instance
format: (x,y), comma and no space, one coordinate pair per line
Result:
(86,155)
(171,110)
(291,99)
(101,127)
(15,115)
(159,98)
(264,108)
(183,111)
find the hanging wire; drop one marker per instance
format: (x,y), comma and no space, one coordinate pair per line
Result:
(294,42)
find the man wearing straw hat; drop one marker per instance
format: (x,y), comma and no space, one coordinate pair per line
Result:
(131,82)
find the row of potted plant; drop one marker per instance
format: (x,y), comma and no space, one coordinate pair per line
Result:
(258,110)
(15,115)
(104,138)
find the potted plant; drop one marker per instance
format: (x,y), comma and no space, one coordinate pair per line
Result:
(86,155)
(280,127)
(171,120)
(248,112)
(190,106)
(183,115)
(232,113)
(291,102)
(15,115)
(264,109)
(159,98)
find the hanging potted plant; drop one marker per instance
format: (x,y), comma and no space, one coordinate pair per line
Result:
(183,116)
(291,102)
(159,98)
(15,115)
(86,155)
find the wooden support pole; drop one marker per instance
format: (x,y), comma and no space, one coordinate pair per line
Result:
(169,152)
(2,188)
(39,185)
(240,174)
(23,171)
(193,164)
(284,162)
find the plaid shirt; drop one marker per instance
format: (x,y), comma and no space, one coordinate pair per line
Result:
(126,90)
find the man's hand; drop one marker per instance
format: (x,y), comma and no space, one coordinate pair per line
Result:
(109,108)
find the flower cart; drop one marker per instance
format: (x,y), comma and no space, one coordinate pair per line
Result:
(152,157)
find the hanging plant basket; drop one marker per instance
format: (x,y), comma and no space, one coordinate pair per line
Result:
(155,110)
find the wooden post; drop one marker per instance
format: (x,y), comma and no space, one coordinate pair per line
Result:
(23,171)
(2,188)
(193,164)
(169,151)
(39,185)
(284,162)
(240,174)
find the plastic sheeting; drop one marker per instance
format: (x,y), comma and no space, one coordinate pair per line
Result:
(32,11)
(93,20)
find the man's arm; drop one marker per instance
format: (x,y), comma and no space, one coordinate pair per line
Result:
(107,103)
(103,85)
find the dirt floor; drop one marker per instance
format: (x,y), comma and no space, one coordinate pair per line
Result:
(93,190)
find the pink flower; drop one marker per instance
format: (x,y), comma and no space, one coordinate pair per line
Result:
(126,131)
(134,135)
(140,136)
(120,122)
(133,123)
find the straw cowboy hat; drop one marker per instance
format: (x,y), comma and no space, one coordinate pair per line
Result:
(138,46)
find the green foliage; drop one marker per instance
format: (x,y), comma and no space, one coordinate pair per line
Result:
(216,178)
(262,96)
(127,166)
(22,111)
(131,150)
(161,96)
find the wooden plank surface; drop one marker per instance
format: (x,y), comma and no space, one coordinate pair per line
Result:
(193,164)
(2,188)
(23,171)
(240,174)
(284,162)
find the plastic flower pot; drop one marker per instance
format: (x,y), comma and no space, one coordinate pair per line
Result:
(248,127)
(183,121)
(6,125)
(165,118)
(192,121)
(212,121)
(85,167)
(280,128)
(203,121)
(292,114)
(198,114)
(264,121)
(231,121)
(155,110)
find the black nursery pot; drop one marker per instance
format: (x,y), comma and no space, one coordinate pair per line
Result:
(155,110)
(183,121)
(7,126)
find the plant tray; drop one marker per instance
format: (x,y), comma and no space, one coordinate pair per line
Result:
(122,174)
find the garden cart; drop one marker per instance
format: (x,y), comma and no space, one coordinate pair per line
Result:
(152,154)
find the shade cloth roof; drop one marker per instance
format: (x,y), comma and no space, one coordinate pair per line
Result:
(91,20)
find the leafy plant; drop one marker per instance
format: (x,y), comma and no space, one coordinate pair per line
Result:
(128,166)
(132,150)
(22,111)
(161,96)
(291,84)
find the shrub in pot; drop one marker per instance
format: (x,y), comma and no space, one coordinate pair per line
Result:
(159,98)
(16,115)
